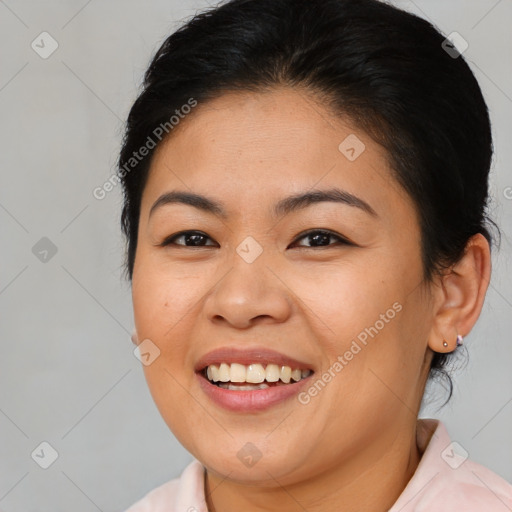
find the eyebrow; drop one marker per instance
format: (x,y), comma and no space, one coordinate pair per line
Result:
(280,209)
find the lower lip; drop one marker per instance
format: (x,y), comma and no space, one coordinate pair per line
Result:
(250,401)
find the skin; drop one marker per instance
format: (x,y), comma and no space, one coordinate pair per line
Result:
(354,442)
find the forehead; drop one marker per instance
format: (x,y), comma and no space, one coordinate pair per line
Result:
(248,146)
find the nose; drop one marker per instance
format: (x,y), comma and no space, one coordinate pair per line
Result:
(248,294)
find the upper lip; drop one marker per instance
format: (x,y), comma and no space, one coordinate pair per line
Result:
(248,356)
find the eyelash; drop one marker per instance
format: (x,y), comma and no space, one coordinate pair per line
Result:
(343,241)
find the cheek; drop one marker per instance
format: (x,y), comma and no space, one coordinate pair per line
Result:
(347,300)
(382,358)
(370,319)
(162,299)
(163,305)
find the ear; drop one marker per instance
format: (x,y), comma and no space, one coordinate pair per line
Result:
(135,339)
(460,295)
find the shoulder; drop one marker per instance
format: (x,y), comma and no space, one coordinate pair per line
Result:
(446,479)
(470,487)
(185,493)
(157,500)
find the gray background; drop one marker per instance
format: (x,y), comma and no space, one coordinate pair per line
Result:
(68,374)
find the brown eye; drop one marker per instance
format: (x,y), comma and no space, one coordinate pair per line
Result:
(321,238)
(190,239)
(316,239)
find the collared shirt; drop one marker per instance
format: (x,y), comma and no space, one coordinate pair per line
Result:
(444,481)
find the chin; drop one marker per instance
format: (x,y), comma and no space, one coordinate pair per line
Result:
(262,473)
(248,464)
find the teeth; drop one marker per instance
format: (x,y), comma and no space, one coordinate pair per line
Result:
(214,373)
(241,387)
(272,373)
(286,374)
(256,373)
(238,373)
(224,372)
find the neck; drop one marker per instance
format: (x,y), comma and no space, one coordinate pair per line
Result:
(367,482)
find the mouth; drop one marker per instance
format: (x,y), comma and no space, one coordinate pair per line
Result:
(252,377)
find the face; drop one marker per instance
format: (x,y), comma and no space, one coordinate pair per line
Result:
(253,285)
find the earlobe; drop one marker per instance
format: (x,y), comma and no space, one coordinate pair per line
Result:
(460,296)
(448,346)
(135,339)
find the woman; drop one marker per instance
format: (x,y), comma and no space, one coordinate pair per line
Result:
(305,207)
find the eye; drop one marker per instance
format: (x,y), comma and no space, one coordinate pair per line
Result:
(191,239)
(320,238)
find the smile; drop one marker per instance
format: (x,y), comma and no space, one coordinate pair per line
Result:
(240,377)
(251,379)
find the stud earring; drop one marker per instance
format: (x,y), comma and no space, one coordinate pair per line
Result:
(445,344)
(460,340)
